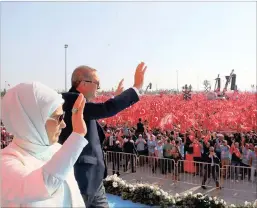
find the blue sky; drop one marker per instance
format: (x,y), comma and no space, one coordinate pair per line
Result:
(200,40)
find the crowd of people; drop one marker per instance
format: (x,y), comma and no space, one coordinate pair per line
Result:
(232,149)
(235,150)
(164,111)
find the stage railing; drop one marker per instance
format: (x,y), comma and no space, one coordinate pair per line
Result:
(233,177)
(184,171)
(198,173)
(120,162)
(154,167)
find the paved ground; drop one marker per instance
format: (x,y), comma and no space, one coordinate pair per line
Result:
(233,192)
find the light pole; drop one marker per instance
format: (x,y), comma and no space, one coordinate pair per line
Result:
(65,48)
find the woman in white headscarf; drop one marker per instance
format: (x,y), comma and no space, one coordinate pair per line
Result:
(36,171)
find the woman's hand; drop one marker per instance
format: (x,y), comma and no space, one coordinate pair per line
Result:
(78,123)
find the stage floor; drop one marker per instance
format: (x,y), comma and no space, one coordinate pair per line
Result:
(118,202)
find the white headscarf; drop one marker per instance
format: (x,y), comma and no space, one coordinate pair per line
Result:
(25,110)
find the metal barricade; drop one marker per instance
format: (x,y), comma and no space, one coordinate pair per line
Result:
(120,162)
(228,177)
(239,178)
(156,167)
(198,173)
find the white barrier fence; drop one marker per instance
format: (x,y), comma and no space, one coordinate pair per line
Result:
(119,162)
(183,171)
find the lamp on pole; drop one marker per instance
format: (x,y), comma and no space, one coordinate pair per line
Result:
(65,48)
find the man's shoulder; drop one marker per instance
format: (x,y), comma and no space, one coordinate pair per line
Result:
(68,95)
(69,98)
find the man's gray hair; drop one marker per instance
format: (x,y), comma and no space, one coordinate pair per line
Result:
(211,148)
(81,73)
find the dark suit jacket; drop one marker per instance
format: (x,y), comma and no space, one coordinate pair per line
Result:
(90,168)
(140,128)
(208,160)
(129,147)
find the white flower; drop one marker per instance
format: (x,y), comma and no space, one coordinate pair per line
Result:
(255,203)
(122,183)
(173,201)
(117,179)
(198,195)
(131,189)
(115,184)
(156,188)
(158,193)
(165,194)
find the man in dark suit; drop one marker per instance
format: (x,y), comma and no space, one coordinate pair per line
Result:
(130,149)
(116,157)
(211,168)
(90,168)
(140,127)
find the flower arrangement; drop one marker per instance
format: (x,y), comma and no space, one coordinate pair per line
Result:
(154,196)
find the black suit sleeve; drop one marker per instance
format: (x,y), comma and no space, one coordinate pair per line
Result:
(111,107)
(217,160)
(93,111)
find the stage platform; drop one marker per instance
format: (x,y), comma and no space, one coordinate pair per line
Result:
(118,202)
